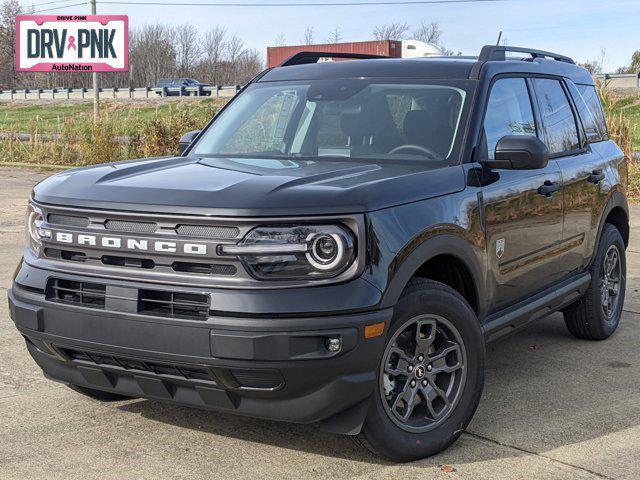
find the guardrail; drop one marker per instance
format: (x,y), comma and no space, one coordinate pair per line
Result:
(217,91)
(620,80)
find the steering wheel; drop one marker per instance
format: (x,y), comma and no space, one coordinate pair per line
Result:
(420,148)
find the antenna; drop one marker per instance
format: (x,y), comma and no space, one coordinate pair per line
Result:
(499,37)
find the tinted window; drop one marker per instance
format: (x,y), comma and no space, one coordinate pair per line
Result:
(556,116)
(509,112)
(592,100)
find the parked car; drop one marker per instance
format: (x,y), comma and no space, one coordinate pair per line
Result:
(337,246)
(181,86)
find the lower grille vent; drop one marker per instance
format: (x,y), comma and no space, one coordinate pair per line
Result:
(187,372)
(258,379)
(159,303)
(91,295)
(173,304)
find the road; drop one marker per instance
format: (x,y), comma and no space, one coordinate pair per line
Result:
(553,408)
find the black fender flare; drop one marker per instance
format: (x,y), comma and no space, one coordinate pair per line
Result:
(440,244)
(616,199)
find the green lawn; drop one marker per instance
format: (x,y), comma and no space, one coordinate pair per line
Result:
(50,118)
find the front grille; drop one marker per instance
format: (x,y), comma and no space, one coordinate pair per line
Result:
(68,220)
(186,372)
(157,303)
(173,304)
(205,268)
(131,227)
(208,231)
(144,247)
(86,294)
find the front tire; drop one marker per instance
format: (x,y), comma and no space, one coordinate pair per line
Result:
(431,375)
(596,315)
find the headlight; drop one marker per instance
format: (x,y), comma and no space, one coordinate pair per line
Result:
(295,252)
(35,232)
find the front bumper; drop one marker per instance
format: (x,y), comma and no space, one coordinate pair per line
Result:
(269,367)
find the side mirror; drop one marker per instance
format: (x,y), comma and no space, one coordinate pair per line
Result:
(519,152)
(187,139)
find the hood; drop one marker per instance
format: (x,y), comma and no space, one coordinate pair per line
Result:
(249,187)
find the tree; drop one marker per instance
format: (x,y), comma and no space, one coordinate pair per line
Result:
(8,11)
(187,48)
(280,40)
(596,65)
(429,32)
(390,31)
(635,62)
(335,35)
(213,47)
(307,39)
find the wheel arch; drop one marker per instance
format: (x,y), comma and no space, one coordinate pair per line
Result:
(428,259)
(616,213)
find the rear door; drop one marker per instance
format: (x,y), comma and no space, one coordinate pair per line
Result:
(582,168)
(523,224)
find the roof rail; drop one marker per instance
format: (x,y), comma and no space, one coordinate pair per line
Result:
(499,53)
(302,58)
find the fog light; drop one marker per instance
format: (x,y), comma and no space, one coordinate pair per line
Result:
(333,344)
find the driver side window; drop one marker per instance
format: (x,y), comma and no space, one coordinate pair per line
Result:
(509,112)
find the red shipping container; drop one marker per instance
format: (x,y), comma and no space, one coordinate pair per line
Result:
(383,48)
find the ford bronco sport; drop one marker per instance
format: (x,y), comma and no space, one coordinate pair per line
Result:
(337,245)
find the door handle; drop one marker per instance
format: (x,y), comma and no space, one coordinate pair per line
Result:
(549,188)
(596,177)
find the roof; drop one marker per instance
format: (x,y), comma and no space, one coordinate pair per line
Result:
(487,65)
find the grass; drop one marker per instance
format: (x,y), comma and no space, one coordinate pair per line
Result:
(54,116)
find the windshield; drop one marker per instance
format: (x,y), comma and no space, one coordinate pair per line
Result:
(339,118)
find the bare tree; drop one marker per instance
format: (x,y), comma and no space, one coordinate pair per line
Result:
(391,31)
(187,48)
(280,40)
(8,11)
(307,39)
(152,53)
(335,35)
(428,32)
(213,48)
(596,65)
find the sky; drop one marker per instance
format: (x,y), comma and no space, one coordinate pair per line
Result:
(577,28)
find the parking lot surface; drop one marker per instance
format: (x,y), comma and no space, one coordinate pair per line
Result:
(553,408)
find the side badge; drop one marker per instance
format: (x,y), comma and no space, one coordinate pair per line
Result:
(500,247)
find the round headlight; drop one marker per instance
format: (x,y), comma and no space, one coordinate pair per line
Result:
(34,223)
(327,251)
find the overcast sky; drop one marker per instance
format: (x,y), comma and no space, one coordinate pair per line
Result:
(578,28)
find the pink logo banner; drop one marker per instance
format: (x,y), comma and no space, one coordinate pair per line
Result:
(72,43)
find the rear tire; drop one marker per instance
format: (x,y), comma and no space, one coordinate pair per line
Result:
(596,315)
(99,395)
(431,375)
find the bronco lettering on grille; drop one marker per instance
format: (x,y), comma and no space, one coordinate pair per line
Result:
(130,243)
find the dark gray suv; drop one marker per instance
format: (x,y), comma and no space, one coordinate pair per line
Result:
(337,245)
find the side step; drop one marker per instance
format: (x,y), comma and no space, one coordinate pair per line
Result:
(539,306)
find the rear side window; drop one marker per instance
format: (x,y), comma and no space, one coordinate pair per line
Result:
(598,131)
(509,112)
(557,117)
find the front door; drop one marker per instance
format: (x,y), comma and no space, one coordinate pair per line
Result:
(523,208)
